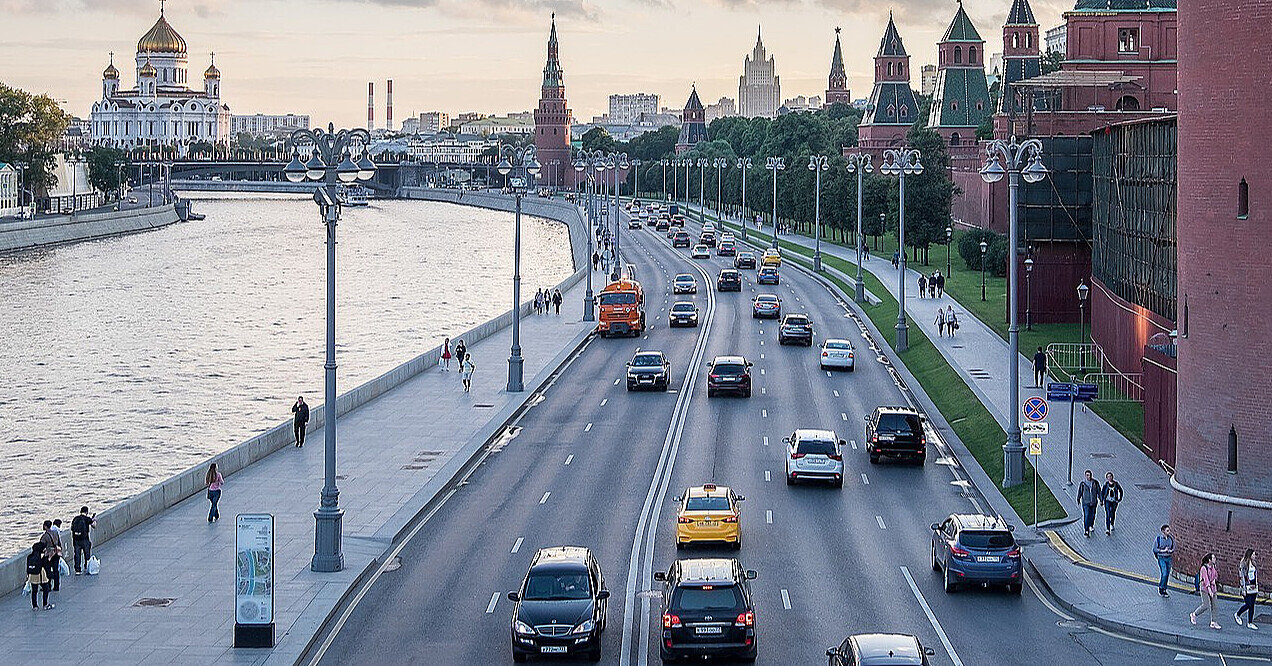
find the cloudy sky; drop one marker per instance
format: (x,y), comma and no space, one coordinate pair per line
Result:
(316,56)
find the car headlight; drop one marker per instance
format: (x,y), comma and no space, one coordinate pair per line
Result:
(522,628)
(585,628)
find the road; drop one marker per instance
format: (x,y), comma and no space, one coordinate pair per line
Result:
(594,465)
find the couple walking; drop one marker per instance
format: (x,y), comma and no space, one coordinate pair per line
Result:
(946,320)
(1091,495)
(1208,587)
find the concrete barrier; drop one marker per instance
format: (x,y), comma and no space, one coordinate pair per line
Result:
(61,229)
(153,501)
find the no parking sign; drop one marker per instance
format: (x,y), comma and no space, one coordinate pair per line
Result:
(1035,409)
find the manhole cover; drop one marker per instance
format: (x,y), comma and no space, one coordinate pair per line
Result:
(153,602)
(394,564)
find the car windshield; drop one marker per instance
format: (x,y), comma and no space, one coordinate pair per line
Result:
(707,504)
(838,345)
(767,299)
(682,307)
(684,278)
(557,586)
(713,598)
(989,540)
(728,275)
(729,369)
(645,360)
(816,447)
(627,298)
(797,321)
(769,271)
(904,423)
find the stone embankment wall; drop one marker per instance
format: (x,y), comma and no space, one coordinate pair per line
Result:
(61,229)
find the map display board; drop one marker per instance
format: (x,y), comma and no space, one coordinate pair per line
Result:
(254,568)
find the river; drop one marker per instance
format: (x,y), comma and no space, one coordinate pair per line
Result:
(129,359)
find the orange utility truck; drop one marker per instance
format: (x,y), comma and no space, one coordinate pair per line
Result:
(622,308)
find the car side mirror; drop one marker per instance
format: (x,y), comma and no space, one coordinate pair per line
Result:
(660,576)
(929,651)
(866,418)
(740,498)
(749,364)
(628,364)
(602,595)
(843,443)
(830,652)
(1011,528)
(513,596)
(679,498)
(936,527)
(751,575)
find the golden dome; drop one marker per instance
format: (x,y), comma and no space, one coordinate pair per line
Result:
(148,70)
(212,72)
(161,39)
(110,72)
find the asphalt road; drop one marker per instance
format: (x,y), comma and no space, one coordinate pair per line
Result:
(594,465)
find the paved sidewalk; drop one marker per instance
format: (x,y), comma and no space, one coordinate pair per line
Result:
(389,451)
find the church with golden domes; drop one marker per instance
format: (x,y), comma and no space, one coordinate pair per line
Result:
(162,110)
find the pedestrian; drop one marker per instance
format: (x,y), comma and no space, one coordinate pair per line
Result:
(923,285)
(1040,367)
(81,537)
(596,260)
(940,322)
(467,369)
(460,352)
(1088,499)
(214,481)
(1111,496)
(940,284)
(52,539)
(1164,550)
(951,320)
(1249,589)
(1209,578)
(300,420)
(38,576)
(538,302)
(556,300)
(896,259)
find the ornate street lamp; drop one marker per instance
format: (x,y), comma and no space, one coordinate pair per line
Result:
(719,163)
(1029,264)
(521,165)
(949,241)
(1017,160)
(901,162)
(744,165)
(702,188)
(817,164)
(332,163)
(582,165)
(775,164)
(859,163)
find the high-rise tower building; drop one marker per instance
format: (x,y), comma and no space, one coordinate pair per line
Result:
(892,108)
(961,99)
(693,123)
(837,85)
(759,87)
(552,121)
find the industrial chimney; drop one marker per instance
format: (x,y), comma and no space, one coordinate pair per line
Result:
(370,105)
(388,117)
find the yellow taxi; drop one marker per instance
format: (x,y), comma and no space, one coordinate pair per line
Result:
(772,257)
(708,513)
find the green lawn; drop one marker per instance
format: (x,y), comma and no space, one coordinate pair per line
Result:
(971,421)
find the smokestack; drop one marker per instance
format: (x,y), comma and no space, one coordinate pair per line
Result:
(388,117)
(370,105)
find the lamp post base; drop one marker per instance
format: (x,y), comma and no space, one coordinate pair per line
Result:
(903,336)
(817,263)
(860,290)
(1013,464)
(328,527)
(515,363)
(589,307)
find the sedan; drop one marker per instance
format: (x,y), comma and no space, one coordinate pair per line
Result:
(767,275)
(700,251)
(815,455)
(837,353)
(726,249)
(744,260)
(633,223)
(648,369)
(883,649)
(684,283)
(767,305)
(683,313)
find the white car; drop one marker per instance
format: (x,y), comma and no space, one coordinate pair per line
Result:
(838,353)
(815,455)
(700,251)
(684,284)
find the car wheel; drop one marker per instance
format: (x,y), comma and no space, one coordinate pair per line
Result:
(737,545)
(936,564)
(519,658)
(839,483)
(949,584)
(874,459)
(594,655)
(631,388)
(746,393)
(790,480)
(710,393)
(1014,588)
(751,656)
(809,343)
(852,368)
(822,366)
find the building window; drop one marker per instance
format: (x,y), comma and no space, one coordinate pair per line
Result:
(958,55)
(955,139)
(980,106)
(905,111)
(954,105)
(891,68)
(1128,40)
(1028,40)
(892,110)
(1128,103)
(1015,40)
(1243,200)
(971,55)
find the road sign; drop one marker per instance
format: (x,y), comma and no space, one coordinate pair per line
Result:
(1038,428)
(1060,391)
(1035,408)
(1087,392)
(1035,446)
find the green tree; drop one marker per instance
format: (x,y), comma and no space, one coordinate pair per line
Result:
(1051,61)
(929,195)
(598,138)
(30,127)
(103,172)
(652,146)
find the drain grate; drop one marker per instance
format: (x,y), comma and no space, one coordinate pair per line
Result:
(1101,454)
(1150,486)
(153,602)
(482,404)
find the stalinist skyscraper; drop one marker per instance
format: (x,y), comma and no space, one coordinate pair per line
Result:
(552,122)
(759,87)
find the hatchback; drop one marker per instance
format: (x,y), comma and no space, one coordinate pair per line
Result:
(816,455)
(681,239)
(729,373)
(976,549)
(767,275)
(744,260)
(700,251)
(767,305)
(726,249)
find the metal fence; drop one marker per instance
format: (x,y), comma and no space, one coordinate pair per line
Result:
(1117,386)
(1069,361)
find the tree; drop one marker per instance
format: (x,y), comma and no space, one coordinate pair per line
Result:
(653,146)
(928,196)
(30,127)
(103,173)
(1051,61)
(598,138)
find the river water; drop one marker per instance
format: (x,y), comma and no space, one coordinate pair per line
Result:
(129,359)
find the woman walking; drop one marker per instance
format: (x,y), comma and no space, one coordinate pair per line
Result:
(214,481)
(446,355)
(1209,581)
(1249,589)
(538,302)
(940,322)
(38,575)
(461,352)
(467,369)
(951,320)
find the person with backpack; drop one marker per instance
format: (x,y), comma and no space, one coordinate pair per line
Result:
(1164,551)
(37,575)
(1110,496)
(1208,578)
(81,540)
(1249,589)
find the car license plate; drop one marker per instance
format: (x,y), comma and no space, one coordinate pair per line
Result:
(552,649)
(986,558)
(708,631)
(708,523)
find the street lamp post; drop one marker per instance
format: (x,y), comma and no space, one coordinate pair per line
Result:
(1083,292)
(901,162)
(582,166)
(663,164)
(73,161)
(675,180)
(949,241)
(744,165)
(817,164)
(719,163)
(702,188)
(775,164)
(1021,159)
(984,247)
(332,163)
(859,163)
(1029,264)
(523,162)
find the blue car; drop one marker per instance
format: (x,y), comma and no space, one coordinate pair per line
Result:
(970,549)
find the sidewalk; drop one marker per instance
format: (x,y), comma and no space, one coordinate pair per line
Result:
(1105,579)
(166,591)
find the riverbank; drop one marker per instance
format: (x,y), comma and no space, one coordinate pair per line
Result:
(21,235)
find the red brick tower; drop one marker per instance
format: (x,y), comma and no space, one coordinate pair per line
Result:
(892,108)
(837,84)
(1225,208)
(552,122)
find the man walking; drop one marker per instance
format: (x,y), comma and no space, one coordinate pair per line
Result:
(300,420)
(940,284)
(80,537)
(923,285)
(1040,367)
(1111,496)
(1164,550)
(1088,499)
(556,300)
(52,540)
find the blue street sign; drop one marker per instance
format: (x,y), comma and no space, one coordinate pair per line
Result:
(1087,392)
(1060,391)
(1035,409)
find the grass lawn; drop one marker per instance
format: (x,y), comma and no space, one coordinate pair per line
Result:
(961,408)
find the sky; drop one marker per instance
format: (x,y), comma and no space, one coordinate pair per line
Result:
(316,56)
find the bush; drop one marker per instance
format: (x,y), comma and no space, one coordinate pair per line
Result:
(996,256)
(969,247)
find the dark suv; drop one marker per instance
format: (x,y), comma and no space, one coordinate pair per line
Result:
(729,280)
(560,607)
(707,610)
(681,239)
(896,432)
(795,328)
(970,548)
(729,373)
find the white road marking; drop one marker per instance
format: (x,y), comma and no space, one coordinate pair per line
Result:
(881,525)
(767,475)
(843,415)
(544,499)
(604,401)
(766,440)
(836,394)
(761,343)
(827,373)
(764,413)
(587,428)
(940,632)
(516,546)
(761,356)
(768,516)
(494,599)
(786,599)
(864,481)
(569,459)
(854,445)
(616,381)
(763,390)
(761,371)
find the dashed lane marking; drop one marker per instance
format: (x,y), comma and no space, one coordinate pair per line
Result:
(843,415)
(605,400)
(836,394)
(864,481)
(587,428)
(616,381)
(786,599)
(764,413)
(544,499)
(881,525)
(494,599)
(516,546)
(763,390)
(766,440)
(854,445)
(768,476)
(768,516)
(569,459)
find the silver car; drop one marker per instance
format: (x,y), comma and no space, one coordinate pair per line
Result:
(838,353)
(816,455)
(684,284)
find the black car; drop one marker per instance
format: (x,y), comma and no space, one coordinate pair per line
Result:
(729,373)
(880,650)
(560,607)
(648,369)
(707,238)
(681,239)
(744,260)
(729,280)
(795,328)
(896,432)
(683,313)
(707,610)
